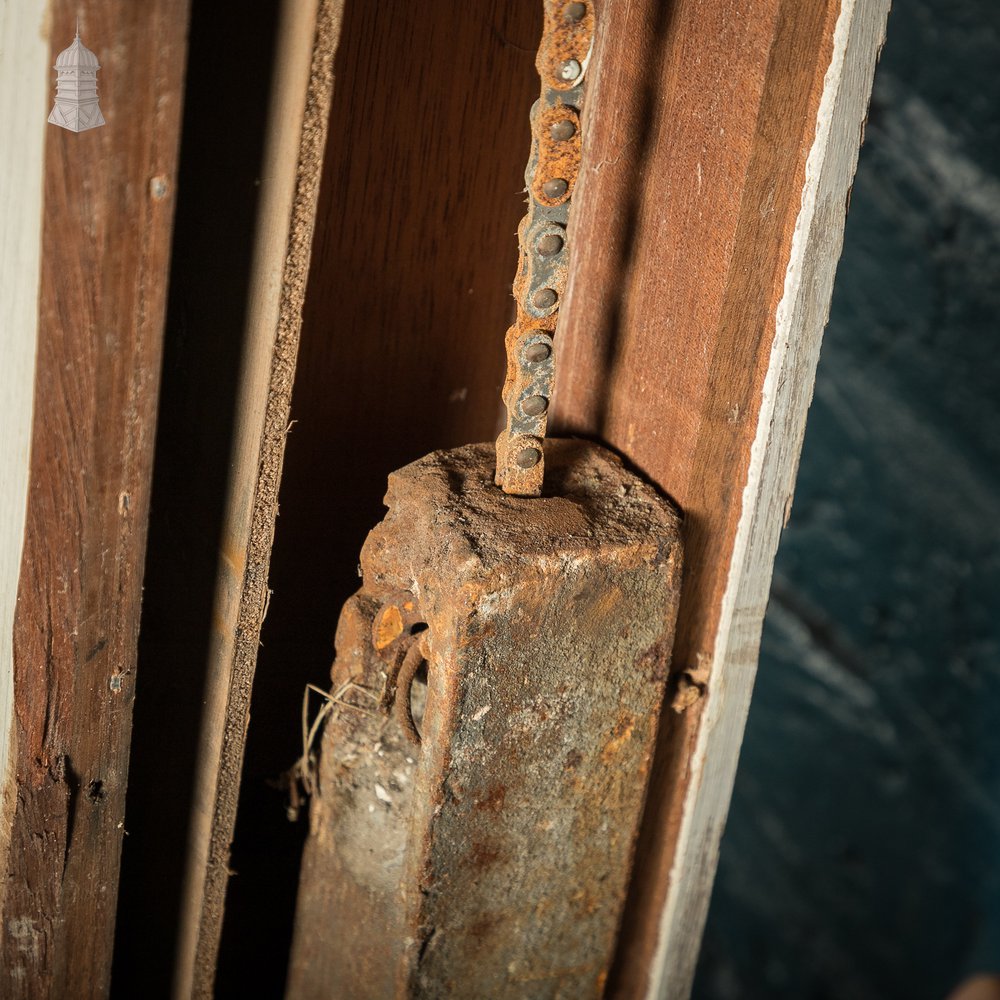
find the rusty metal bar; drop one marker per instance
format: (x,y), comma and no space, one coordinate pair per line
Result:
(482,774)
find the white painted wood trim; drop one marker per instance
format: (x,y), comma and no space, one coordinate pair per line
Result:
(801,317)
(24,84)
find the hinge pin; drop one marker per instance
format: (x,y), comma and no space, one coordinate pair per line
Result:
(544,298)
(535,406)
(534,353)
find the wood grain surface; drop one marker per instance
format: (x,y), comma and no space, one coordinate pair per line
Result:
(409,296)
(109,196)
(699,125)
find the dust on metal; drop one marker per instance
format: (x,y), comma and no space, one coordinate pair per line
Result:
(473,837)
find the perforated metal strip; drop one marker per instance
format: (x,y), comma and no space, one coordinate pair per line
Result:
(543,266)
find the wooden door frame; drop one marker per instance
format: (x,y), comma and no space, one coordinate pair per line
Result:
(721,146)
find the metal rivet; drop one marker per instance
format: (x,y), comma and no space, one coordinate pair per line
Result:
(555,188)
(544,298)
(534,406)
(550,244)
(563,130)
(528,458)
(536,352)
(570,70)
(576,11)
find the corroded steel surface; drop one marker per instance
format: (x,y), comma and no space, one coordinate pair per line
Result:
(544,248)
(486,852)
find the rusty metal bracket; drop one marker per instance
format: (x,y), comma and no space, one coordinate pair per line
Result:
(474,839)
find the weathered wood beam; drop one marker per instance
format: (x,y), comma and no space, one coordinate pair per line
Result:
(109,196)
(720,147)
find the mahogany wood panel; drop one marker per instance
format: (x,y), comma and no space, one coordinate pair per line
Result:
(689,196)
(409,296)
(109,196)
(699,123)
(800,318)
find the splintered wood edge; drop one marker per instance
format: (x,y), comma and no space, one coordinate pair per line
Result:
(298,117)
(801,317)
(24,80)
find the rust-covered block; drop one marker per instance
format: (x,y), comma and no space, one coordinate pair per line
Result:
(482,776)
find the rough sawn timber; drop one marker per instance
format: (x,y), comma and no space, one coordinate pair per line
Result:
(297,124)
(109,197)
(720,147)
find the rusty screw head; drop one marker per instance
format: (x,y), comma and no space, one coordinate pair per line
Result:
(576,11)
(555,188)
(550,244)
(534,406)
(563,129)
(538,351)
(544,298)
(528,458)
(570,70)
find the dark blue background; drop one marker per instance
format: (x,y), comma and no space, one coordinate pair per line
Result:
(862,854)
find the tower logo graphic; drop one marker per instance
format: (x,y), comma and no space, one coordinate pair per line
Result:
(76,106)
